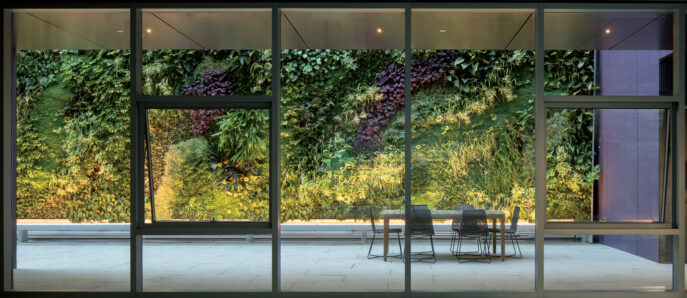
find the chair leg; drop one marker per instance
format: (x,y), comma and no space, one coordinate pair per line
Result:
(453,238)
(460,245)
(400,250)
(514,241)
(431,241)
(371,244)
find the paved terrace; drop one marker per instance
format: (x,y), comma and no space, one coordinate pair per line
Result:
(312,265)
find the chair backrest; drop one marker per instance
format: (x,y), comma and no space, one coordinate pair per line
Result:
(514,220)
(473,222)
(456,220)
(372,219)
(421,220)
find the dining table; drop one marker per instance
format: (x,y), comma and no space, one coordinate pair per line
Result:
(493,215)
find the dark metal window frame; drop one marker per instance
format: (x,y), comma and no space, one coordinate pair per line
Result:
(139,103)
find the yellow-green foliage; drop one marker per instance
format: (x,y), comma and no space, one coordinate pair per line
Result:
(377,181)
(188,189)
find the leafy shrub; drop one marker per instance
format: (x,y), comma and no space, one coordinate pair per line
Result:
(97,136)
(334,103)
(188,189)
(213,82)
(187,165)
(569,72)
(166,128)
(242,143)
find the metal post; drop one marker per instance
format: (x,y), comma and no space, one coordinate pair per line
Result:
(540,154)
(407,135)
(275,144)
(679,152)
(137,157)
(8,151)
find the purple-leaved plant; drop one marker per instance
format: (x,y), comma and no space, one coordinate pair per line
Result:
(392,86)
(214,82)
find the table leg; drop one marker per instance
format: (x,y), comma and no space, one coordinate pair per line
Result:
(386,237)
(493,223)
(503,239)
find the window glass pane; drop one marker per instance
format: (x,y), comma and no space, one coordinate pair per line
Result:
(608,263)
(209,164)
(207,263)
(72,150)
(604,52)
(607,165)
(217,52)
(342,148)
(473,147)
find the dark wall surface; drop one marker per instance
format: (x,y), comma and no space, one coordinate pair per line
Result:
(628,149)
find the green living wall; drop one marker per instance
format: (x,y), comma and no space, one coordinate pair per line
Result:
(342,133)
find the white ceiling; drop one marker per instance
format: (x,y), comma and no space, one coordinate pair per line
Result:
(473,29)
(71,29)
(342,29)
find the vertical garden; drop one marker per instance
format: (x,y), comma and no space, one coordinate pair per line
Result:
(342,133)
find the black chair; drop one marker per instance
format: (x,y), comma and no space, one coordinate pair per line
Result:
(511,233)
(374,235)
(421,226)
(455,225)
(473,225)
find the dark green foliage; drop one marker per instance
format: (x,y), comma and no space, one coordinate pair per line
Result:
(569,72)
(166,71)
(97,136)
(167,127)
(242,143)
(187,190)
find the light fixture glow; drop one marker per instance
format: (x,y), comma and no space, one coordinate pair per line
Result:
(120,31)
(379,31)
(442,30)
(607,31)
(148,30)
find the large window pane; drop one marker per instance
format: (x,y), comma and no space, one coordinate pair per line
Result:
(608,52)
(207,52)
(72,149)
(208,164)
(607,165)
(608,263)
(473,146)
(207,263)
(342,147)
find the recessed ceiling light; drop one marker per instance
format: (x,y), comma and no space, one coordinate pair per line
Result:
(379,31)
(607,31)
(148,30)
(120,31)
(442,30)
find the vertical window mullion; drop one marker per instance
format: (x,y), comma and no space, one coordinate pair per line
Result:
(137,157)
(540,152)
(275,145)
(679,152)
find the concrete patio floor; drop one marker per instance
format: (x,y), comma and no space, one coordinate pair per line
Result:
(187,265)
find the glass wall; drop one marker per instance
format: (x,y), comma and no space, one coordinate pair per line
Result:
(240,188)
(607,165)
(72,150)
(631,51)
(221,174)
(185,54)
(342,148)
(472,147)
(578,263)
(212,263)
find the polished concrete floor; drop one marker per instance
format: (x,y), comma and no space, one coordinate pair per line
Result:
(342,265)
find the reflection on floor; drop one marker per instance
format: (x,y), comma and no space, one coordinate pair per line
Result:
(182,265)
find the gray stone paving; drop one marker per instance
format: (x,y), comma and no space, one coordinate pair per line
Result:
(321,266)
